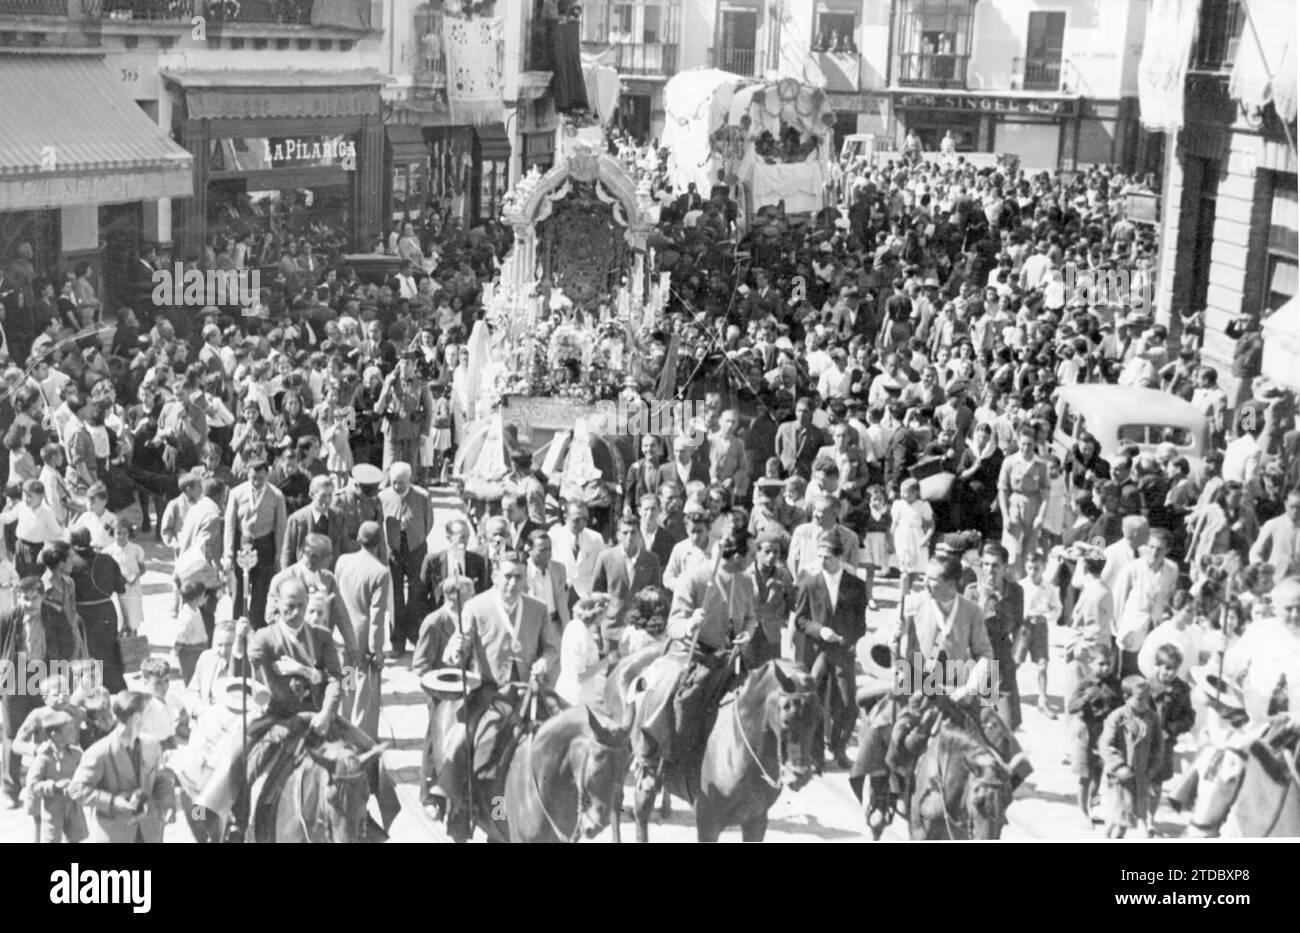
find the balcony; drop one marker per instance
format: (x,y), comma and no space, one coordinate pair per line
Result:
(842,70)
(650,59)
(156,11)
(743,62)
(932,69)
(428,61)
(339,14)
(1038,74)
(49,23)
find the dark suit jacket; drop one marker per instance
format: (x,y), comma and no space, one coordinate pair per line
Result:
(436,569)
(641,478)
(813,612)
(856,478)
(60,645)
(699,471)
(665,540)
(270,644)
(298,527)
(797,455)
(611,578)
(525,532)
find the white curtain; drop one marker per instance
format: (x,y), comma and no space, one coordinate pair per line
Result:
(1171,26)
(1274,23)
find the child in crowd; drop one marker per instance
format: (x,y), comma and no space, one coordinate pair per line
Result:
(876,527)
(1094,699)
(825,482)
(191,635)
(1173,704)
(130,558)
(1130,746)
(94,701)
(772,469)
(56,816)
(441,434)
(911,528)
(1042,610)
(160,716)
(1056,517)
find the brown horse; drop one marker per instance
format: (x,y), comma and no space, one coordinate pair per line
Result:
(1254,790)
(761,740)
(324,798)
(565,781)
(961,790)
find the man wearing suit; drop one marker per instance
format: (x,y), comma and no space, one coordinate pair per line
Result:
(798,441)
(364,582)
(33,635)
(655,538)
(310,570)
(317,517)
(456,561)
(201,536)
(510,639)
(643,476)
(255,517)
(687,465)
(519,527)
(830,618)
(947,639)
(774,599)
(1278,543)
(622,572)
(728,463)
(121,779)
(408,519)
(545,580)
(576,547)
(850,459)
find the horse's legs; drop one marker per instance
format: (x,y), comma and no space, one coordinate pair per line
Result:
(641,812)
(706,830)
(666,805)
(755,829)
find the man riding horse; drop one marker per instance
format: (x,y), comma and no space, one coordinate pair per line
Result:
(946,649)
(505,638)
(713,610)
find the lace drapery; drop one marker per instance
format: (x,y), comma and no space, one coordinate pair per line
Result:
(1162,73)
(473,69)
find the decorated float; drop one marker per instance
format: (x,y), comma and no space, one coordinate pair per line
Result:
(566,330)
(774,138)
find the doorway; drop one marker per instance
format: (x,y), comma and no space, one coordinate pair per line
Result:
(121,227)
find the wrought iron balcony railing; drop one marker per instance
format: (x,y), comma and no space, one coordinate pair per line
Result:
(650,58)
(932,69)
(737,61)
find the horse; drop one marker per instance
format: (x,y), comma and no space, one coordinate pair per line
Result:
(961,789)
(760,741)
(1251,787)
(565,780)
(619,681)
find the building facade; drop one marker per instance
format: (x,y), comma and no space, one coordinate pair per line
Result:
(1229,220)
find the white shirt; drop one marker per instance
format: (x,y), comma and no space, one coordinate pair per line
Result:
(1240,459)
(1141,594)
(581,569)
(1041,599)
(832,581)
(540,586)
(1266,652)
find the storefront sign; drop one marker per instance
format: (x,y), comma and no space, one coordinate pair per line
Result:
(45,192)
(1040,106)
(1142,207)
(300,151)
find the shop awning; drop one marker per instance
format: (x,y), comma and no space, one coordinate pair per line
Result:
(407,144)
(68,136)
(494,143)
(252,95)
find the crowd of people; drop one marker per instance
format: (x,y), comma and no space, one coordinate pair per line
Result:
(877,397)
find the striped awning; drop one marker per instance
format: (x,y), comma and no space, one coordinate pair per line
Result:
(71,137)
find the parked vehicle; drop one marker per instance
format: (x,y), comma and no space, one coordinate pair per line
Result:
(1118,416)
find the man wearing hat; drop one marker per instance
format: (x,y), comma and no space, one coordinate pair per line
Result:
(407,409)
(358,503)
(363,585)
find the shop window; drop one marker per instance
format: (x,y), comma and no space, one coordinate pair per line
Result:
(934,39)
(1283,260)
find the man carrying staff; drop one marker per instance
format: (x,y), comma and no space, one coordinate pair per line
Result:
(713,610)
(256,517)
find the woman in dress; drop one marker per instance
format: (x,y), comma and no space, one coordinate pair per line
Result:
(580,664)
(294,423)
(335,424)
(130,560)
(253,432)
(912,526)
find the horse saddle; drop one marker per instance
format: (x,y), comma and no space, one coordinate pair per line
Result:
(270,762)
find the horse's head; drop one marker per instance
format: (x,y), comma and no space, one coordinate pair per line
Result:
(792,710)
(987,794)
(601,772)
(346,790)
(1219,775)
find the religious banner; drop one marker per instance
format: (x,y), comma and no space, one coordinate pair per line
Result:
(1171,26)
(473,50)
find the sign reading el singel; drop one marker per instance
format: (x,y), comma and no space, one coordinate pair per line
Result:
(311,150)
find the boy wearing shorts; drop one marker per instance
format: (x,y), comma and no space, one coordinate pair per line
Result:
(1042,610)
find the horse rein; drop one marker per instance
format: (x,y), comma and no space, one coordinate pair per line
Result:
(302,800)
(583,797)
(775,784)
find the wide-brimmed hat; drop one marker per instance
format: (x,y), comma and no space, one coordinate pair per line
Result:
(1216,688)
(232,690)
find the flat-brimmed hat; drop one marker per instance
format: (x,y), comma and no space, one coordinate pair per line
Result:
(1217,688)
(367,474)
(232,690)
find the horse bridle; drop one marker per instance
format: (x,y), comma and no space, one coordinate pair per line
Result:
(936,787)
(358,775)
(771,782)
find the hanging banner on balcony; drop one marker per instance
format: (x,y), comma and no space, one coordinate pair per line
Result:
(1171,24)
(472,47)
